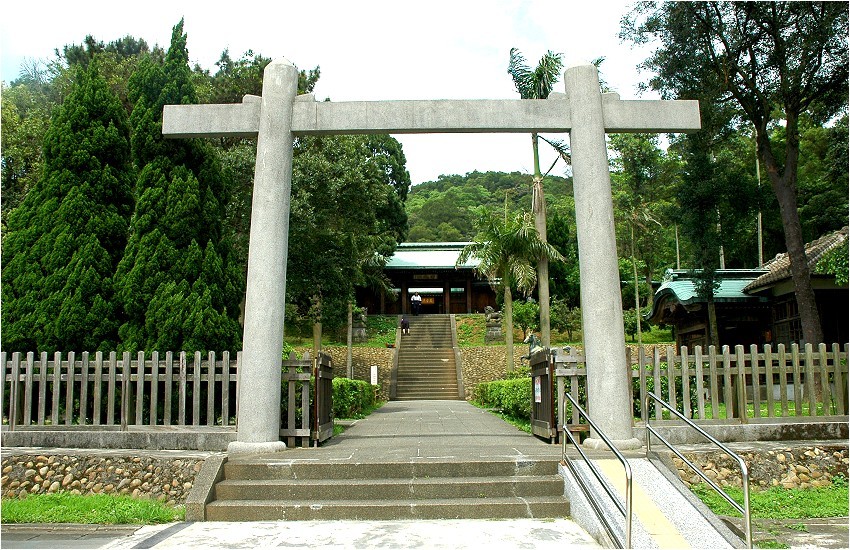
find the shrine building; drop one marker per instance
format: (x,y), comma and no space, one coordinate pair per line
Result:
(430,270)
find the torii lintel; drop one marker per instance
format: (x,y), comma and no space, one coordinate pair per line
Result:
(429,116)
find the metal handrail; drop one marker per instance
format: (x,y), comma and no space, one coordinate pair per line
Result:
(745,478)
(627,510)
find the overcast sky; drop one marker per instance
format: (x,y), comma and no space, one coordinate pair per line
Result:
(367,50)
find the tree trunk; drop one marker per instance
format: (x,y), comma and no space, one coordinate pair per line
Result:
(538,209)
(785,188)
(509,332)
(714,337)
(349,372)
(637,292)
(317,338)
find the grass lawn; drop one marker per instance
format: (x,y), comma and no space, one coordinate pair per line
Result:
(781,503)
(778,511)
(88,509)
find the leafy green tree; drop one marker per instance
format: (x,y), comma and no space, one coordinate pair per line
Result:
(822,177)
(25,120)
(564,276)
(634,322)
(538,84)
(505,247)
(65,239)
(565,318)
(347,218)
(527,316)
(177,282)
(770,62)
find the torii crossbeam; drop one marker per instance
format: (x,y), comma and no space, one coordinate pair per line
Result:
(278,116)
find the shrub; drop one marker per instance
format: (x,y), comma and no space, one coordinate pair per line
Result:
(663,393)
(512,397)
(352,397)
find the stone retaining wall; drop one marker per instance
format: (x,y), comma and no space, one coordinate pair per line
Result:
(170,479)
(801,467)
(362,359)
(485,364)
(166,479)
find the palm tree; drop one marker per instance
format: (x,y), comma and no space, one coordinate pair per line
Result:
(538,84)
(506,249)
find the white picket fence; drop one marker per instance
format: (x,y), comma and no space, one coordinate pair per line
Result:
(729,384)
(176,389)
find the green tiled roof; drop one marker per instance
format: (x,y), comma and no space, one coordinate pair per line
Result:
(679,287)
(429,256)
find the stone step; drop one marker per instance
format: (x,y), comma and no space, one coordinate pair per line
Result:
(426,378)
(431,368)
(391,489)
(261,469)
(471,508)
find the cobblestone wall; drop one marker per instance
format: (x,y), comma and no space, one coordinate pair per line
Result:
(790,467)
(486,363)
(362,359)
(166,479)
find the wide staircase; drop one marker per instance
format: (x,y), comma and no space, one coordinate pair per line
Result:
(426,360)
(257,490)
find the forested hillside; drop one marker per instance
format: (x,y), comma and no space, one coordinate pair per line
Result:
(443,210)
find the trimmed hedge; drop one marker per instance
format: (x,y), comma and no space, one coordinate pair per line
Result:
(512,397)
(352,397)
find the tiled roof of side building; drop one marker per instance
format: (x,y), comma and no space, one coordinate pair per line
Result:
(779,268)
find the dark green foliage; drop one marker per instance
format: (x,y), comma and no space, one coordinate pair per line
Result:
(835,262)
(177,282)
(346,218)
(444,210)
(527,316)
(512,397)
(352,397)
(563,276)
(663,392)
(630,322)
(768,64)
(65,239)
(822,178)
(565,318)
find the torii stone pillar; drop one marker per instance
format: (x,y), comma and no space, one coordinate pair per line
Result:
(279,116)
(609,400)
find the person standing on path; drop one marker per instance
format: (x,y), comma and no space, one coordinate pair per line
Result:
(415,302)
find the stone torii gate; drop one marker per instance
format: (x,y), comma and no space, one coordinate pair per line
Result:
(278,116)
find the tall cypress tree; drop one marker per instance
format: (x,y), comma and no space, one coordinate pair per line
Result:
(66,238)
(177,281)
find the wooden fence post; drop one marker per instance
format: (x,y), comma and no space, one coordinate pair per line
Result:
(125,390)
(69,388)
(14,390)
(154,393)
(28,384)
(169,381)
(225,388)
(742,384)
(211,370)
(84,389)
(57,384)
(140,388)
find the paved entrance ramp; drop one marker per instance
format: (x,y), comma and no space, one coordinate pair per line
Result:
(664,515)
(408,460)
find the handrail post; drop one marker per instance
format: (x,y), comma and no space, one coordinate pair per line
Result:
(625,510)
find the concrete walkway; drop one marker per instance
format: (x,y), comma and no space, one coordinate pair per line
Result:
(403,431)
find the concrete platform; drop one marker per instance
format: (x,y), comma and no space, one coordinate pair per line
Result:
(410,431)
